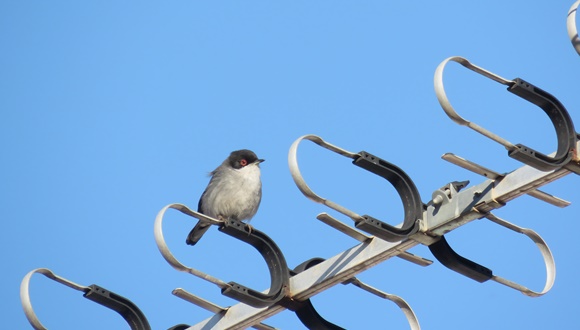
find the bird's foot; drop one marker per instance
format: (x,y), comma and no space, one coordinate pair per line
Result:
(250,228)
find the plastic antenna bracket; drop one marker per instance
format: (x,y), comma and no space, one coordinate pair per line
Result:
(276,264)
(265,245)
(450,259)
(127,309)
(571,26)
(312,320)
(559,116)
(413,207)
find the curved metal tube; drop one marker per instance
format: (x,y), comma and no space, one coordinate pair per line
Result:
(448,108)
(400,302)
(557,113)
(311,319)
(301,184)
(25,294)
(571,26)
(166,253)
(449,258)
(126,308)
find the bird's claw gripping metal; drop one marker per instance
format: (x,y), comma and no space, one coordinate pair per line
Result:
(559,116)
(571,26)
(265,245)
(312,320)
(413,207)
(449,258)
(127,309)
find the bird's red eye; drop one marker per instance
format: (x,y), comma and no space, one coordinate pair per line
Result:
(243,162)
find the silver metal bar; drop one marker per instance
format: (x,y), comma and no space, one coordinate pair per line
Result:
(299,180)
(413,258)
(486,172)
(471,166)
(342,227)
(571,26)
(262,326)
(361,237)
(550,199)
(524,179)
(198,301)
(209,306)
(403,305)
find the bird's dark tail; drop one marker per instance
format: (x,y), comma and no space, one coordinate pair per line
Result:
(197,232)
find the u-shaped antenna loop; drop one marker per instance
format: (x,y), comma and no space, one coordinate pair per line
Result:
(126,308)
(413,207)
(571,26)
(265,245)
(449,258)
(312,320)
(557,113)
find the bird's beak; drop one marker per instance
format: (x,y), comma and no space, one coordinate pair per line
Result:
(258,161)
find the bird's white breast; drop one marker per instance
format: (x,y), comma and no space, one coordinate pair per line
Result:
(236,194)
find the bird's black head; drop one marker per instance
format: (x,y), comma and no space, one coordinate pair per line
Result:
(243,158)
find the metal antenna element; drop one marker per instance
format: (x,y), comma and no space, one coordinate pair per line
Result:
(127,309)
(413,208)
(572,27)
(312,320)
(449,258)
(557,113)
(403,305)
(166,253)
(448,108)
(486,172)
(260,241)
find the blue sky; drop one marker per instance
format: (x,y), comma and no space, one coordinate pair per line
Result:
(111,110)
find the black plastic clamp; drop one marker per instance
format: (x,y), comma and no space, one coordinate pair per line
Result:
(126,308)
(265,245)
(274,259)
(408,192)
(413,207)
(562,124)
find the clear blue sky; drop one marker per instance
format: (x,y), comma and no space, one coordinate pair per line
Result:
(111,110)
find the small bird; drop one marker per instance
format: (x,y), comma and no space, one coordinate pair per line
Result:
(233,192)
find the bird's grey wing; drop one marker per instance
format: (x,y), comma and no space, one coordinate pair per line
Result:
(197,232)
